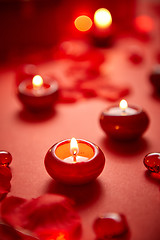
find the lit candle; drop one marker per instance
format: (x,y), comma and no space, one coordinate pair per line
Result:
(37,82)
(102,18)
(103,32)
(38,94)
(124,122)
(74,161)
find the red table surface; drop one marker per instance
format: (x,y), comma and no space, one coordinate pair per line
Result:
(124,185)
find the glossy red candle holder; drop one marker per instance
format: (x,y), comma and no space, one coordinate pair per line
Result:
(62,168)
(155,78)
(102,32)
(123,125)
(41,98)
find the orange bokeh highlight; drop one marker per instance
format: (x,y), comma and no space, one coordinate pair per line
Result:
(83,23)
(144,23)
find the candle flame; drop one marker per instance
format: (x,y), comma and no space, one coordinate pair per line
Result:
(123,104)
(102,18)
(83,23)
(74,147)
(37,81)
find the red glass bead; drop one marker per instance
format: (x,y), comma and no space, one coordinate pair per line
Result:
(5,158)
(152,162)
(110,225)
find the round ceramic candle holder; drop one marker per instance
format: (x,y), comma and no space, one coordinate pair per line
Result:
(120,125)
(155,78)
(102,32)
(61,166)
(38,99)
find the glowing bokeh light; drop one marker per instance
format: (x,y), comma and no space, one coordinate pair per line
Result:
(144,23)
(102,18)
(83,23)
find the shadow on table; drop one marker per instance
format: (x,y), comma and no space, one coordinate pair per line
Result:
(32,117)
(156,96)
(83,195)
(153,177)
(126,236)
(125,148)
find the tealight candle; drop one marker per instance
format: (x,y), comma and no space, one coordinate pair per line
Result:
(124,122)
(38,94)
(103,31)
(74,162)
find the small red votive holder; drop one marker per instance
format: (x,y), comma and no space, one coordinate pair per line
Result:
(38,95)
(124,124)
(102,32)
(70,166)
(155,78)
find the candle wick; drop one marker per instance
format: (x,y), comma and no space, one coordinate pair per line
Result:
(74,155)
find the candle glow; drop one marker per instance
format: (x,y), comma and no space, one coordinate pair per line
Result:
(123,105)
(37,82)
(102,18)
(74,148)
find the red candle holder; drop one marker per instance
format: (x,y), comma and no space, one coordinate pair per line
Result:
(102,32)
(38,95)
(124,124)
(72,166)
(155,78)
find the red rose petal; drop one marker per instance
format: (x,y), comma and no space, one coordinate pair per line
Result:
(49,216)
(69,96)
(9,233)
(5,177)
(136,58)
(112,93)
